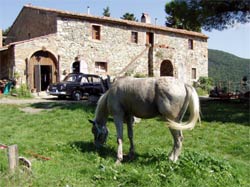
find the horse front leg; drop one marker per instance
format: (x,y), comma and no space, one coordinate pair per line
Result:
(119,131)
(130,122)
(178,138)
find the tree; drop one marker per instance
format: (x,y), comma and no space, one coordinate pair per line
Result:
(5,31)
(129,16)
(214,14)
(106,12)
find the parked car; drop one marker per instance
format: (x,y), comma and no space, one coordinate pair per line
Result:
(76,85)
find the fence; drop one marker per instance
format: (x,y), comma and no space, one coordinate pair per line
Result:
(233,87)
(12,154)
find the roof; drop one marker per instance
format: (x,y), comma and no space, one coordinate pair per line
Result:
(3,48)
(24,41)
(117,21)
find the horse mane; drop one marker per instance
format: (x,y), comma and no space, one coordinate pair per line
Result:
(101,111)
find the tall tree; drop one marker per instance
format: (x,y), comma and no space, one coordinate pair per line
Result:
(213,14)
(106,12)
(5,31)
(129,16)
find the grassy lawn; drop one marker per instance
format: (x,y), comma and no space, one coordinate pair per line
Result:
(215,153)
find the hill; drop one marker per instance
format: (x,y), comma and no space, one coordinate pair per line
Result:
(224,66)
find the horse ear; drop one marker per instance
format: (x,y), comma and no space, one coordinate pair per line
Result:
(92,122)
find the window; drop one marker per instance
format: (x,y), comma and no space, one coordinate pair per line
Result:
(190,44)
(84,80)
(150,38)
(95,79)
(101,67)
(193,73)
(134,37)
(70,78)
(96,32)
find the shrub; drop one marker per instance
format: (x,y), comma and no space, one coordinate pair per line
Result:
(139,75)
(204,85)
(22,92)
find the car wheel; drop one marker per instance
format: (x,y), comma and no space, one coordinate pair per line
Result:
(77,95)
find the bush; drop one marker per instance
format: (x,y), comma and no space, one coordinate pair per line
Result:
(204,85)
(22,92)
(139,75)
(201,91)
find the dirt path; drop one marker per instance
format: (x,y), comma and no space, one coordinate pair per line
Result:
(41,99)
(36,99)
(24,101)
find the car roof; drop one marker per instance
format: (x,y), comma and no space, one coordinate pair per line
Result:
(84,74)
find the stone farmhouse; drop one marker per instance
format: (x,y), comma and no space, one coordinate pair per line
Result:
(44,44)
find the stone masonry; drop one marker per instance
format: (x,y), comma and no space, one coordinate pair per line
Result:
(68,37)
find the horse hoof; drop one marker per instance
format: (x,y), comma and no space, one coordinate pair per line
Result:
(118,163)
(173,158)
(131,156)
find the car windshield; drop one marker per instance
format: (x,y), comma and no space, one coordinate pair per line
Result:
(70,78)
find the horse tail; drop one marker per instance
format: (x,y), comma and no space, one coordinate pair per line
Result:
(192,100)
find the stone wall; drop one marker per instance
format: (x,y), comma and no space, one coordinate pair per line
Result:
(72,41)
(6,63)
(115,48)
(24,51)
(174,47)
(31,23)
(1,38)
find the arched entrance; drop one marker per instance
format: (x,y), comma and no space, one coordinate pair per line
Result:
(166,68)
(42,70)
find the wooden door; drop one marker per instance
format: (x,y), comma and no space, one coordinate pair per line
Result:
(37,78)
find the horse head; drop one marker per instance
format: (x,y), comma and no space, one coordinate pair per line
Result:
(100,133)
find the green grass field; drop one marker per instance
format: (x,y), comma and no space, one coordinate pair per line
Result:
(215,153)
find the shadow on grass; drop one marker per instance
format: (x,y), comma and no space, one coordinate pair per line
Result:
(109,152)
(65,105)
(229,111)
(87,147)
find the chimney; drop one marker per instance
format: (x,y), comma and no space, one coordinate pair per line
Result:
(145,18)
(88,10)
(1,38)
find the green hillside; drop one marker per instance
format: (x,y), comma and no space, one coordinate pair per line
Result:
(224,66)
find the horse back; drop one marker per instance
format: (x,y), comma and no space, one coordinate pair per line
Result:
(145,97)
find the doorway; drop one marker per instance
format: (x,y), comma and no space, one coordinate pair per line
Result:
(166,68)
(42,76)
(42,70)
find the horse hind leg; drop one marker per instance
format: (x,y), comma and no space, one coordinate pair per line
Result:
(178,138)
(177,134)
(119,130)
(130,122)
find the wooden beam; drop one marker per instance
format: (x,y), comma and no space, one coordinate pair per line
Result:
(13,157)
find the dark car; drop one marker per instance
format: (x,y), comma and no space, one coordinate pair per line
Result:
(76,85)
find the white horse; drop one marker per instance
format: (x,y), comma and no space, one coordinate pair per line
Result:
(146,98)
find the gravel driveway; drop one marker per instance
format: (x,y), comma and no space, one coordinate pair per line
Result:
(42,99)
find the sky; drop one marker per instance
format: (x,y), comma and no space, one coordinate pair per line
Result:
(235,40)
